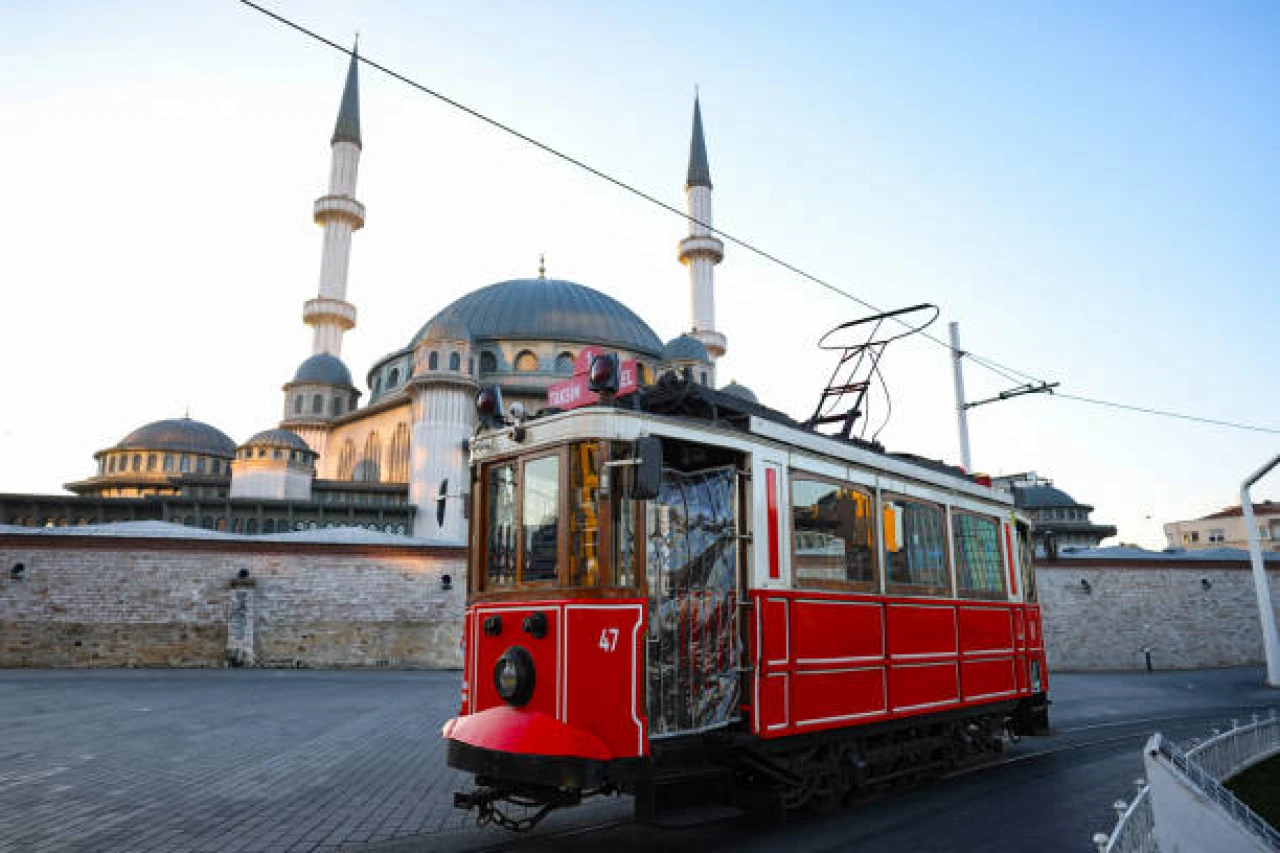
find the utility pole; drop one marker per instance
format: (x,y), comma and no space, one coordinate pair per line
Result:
(962,411)
(1270,642)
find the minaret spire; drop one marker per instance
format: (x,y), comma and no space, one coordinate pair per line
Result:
(701,250)
(340,215)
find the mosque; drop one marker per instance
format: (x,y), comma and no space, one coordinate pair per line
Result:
(384,462)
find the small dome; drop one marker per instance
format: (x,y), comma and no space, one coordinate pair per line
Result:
(278,438)
(685,348)
(1042,497)
(548,309)
(181,435)
(445,328)
(742,392)
(324,369)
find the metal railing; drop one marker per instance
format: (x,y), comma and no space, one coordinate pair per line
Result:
(1205,766)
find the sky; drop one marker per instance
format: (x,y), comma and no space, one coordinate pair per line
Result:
(1090,190)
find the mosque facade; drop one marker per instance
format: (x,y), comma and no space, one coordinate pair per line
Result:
(386,456)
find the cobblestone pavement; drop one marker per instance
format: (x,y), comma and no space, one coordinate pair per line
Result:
(270,760)
(223,760)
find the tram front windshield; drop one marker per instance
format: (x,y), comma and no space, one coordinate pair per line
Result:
(550,518)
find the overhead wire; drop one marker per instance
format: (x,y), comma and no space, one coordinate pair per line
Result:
(999,369)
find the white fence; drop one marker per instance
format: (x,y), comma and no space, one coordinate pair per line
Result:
(1205,766)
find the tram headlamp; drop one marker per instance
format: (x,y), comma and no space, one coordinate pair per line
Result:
(514,677)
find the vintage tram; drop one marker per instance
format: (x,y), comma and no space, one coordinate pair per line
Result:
(684,591)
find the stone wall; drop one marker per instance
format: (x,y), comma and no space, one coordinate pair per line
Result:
(111,601)
(1188,613)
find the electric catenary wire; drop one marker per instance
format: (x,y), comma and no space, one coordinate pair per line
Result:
(995,367)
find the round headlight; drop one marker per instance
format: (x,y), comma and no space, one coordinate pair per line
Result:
(513,676)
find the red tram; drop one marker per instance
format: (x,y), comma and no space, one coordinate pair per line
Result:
(686,591)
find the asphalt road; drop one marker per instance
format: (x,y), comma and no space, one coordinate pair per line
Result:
(237,760)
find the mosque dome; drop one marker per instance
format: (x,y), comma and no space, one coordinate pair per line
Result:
(685,348)
(324,369)
(1042,497)
(278,438)
(444,328)
(742,392)
(546,309)
(179,435)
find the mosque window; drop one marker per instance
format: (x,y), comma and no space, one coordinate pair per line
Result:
(185,464)
(317,405)
(200,464)
(168,462)
(151,462)
(471,366)
(277,454)
(393,378)
(297,404)
(351,404)
(111,465)
(455,361)
(433,361)
(564,363)
(346,460)
(335,406)
(702,377)
(377,384)
(526,362)
(488,362)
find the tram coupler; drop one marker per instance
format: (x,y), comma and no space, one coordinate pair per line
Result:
(479,798)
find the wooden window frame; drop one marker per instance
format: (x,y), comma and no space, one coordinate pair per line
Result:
(877,568)
(948,563)
(1002,569)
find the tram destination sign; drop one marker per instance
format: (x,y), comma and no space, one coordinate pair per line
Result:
(575,392)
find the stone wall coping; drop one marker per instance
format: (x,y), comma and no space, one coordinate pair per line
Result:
(242,545)
(1193,565)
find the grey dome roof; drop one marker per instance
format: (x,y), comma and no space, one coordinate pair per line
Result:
(278,438)
(685,348)
(1042,497)
(181,435)
(742,392)
(444,327)
(323,368)
(548,309)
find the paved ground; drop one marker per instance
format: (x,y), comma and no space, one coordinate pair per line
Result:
(236,760)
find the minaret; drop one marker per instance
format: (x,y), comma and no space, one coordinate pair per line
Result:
(340,214)
(701,250)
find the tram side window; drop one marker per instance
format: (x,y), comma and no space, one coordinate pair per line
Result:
(979,561)
(500,526)
(833,536)
(539,514)
(584,517)
(915,547)
(1026,556)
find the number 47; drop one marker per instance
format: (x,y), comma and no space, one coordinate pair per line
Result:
(609,639)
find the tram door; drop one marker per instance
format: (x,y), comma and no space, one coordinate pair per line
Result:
(692,566)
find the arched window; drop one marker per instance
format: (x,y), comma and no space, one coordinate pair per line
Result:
(564,363)
(471,366)
(377,384)
(347,460)
(398,461)
(297,404)
(455,361)
(488,362)
(433,361)
(526,362)
(336,406)
(137,461)
(317,405)
(184,466)
(393,378)
(200,464)
(703,377)
(369,470)
(151,462)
